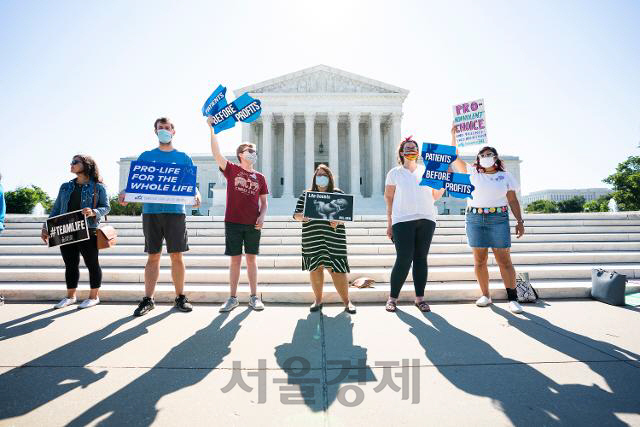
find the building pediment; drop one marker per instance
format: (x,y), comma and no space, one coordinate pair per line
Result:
(322,79)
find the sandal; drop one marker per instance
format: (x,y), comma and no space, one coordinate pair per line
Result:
(350,308)
(391,306)
(423,306)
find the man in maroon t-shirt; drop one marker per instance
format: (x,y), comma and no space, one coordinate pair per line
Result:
(246,209)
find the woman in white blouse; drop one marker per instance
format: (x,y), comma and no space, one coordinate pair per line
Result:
(411,221)
(487,220)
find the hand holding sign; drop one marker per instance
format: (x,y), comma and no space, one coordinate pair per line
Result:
(224,116)
(155,182)
(437,159)
(470,123)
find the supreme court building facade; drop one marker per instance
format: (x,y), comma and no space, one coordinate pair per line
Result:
(325,115)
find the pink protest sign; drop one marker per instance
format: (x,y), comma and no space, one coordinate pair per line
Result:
(470,123)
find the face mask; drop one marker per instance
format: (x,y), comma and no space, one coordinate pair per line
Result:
(487,162)
(251,157)
(322,181)
(412,156)
(164,136)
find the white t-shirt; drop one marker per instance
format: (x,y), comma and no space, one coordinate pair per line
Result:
(411,200)
(490,189)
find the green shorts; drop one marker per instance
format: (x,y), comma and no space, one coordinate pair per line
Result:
(238,235)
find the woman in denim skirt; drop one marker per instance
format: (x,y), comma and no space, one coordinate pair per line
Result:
(487,220)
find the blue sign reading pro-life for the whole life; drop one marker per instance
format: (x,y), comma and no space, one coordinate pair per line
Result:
(153,182)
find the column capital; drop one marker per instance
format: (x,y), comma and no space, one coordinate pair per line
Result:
(309,116)
(333,115)
(266,116)
(288,116)
(354,115)
(396,115)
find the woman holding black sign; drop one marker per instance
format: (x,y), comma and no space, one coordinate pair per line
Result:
(87,193)
(411,221)
(324,244)
(487,220)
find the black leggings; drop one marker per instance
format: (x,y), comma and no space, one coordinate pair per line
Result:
(71,256)
(412,240)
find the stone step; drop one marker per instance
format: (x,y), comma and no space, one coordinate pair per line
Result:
(635,215)
(371,239)
(357,231)
(293,261)
(295,293)
(353,249)
(350,225)
(296,275)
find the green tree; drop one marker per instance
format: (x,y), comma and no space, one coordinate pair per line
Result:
(133,209)
(573,204)
(626,184)
(601,204)
(22,200)
(542,206)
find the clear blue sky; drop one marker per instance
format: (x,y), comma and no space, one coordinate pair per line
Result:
(560,79)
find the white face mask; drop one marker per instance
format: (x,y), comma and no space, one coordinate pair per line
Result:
(487,162)
(322,181)
(251,157)
(164,136)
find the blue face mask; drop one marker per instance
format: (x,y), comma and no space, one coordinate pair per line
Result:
(322,181)
(164,136)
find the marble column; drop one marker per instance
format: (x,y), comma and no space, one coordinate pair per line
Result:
(309,148)
(267,132)
(354,136)
(376,156)
(246,132)
(396,135)
(288,155)
(334,157)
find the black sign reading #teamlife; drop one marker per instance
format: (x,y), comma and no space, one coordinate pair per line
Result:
(328,206)
(67,228)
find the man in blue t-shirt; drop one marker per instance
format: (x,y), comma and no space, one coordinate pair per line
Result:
(164,222)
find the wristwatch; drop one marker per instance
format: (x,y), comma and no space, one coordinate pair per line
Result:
(521,221)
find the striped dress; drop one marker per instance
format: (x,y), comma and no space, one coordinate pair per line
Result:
(321,244)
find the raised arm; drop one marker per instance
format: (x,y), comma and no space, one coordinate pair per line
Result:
(215,147)
(458,163)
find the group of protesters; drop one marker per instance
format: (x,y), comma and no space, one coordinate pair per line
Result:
(410,212)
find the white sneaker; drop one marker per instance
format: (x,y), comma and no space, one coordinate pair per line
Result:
(229,304)
(255,303)
(65,302)
(515,307)
(483,301)
(89,303)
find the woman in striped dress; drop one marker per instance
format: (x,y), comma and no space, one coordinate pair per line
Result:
(324,245)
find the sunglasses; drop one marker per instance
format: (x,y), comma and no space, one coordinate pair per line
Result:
(251,150)
(75,162)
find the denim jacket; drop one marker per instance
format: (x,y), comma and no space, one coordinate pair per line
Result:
(86,201)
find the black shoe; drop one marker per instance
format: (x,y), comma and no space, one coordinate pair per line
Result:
(145,306)
(183,303)
(315,307)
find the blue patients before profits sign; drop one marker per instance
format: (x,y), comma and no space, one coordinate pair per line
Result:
(215,102)
(437,159)
(154,182)
(244,109)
